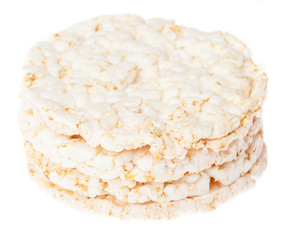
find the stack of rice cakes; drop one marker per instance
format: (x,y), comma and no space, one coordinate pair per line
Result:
(142,118)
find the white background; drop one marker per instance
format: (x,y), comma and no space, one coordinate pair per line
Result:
(28,213)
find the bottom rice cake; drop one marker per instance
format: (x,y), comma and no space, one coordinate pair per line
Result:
(108,204)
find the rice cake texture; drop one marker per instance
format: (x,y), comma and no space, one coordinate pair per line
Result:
(108,205)
(131,191)
(142,118)
(138,164)
(122,82)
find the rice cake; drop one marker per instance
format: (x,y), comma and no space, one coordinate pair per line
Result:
(108,205)
(142,118)
(123,82)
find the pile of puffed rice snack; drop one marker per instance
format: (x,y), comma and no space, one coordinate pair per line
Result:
(142,118)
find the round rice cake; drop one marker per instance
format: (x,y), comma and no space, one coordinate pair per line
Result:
(135,192)
(122,82)
(109,205)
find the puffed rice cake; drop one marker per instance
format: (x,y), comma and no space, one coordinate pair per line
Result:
(142,118)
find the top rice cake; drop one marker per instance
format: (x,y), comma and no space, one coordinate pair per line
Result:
(122,82)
